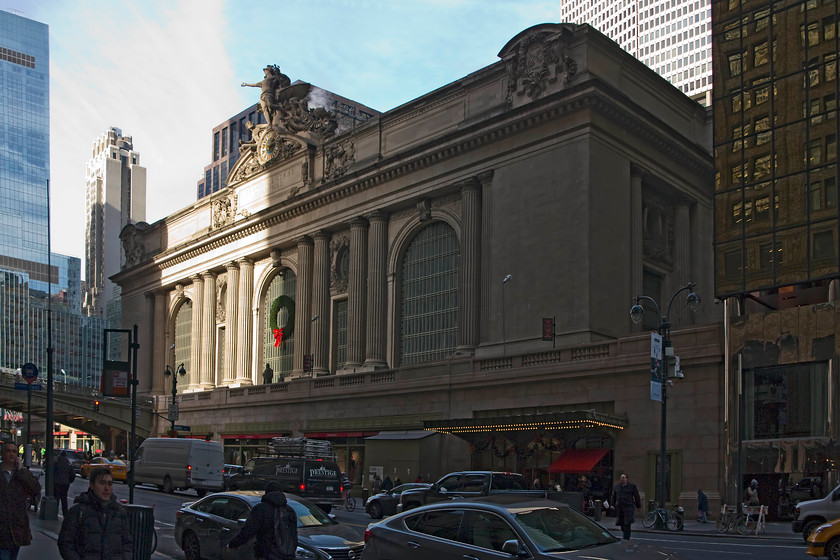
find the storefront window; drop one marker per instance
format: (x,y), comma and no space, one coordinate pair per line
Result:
(786,401)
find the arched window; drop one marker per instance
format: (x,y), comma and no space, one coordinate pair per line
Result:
(280,299)
(183,339)
(429,318)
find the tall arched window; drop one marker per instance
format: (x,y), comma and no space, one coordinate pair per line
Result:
(429,320)
(183,339)
(279,314)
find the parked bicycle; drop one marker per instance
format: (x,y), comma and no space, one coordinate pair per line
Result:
(744,519)
(673,520)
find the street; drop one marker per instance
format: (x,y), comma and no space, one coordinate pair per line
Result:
(690,545)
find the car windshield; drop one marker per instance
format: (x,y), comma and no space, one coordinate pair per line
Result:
(559,529)
(310,515)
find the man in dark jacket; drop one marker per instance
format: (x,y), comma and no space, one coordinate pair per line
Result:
(63,476)
(97,526)
(17,486)
(275,540)
(625,499)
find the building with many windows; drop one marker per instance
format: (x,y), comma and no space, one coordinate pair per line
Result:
(673,37)
(381,284)
(776,244)
(115,196)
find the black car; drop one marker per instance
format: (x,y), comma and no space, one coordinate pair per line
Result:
(227,472)
(385,503)
(496,527)
(203,528)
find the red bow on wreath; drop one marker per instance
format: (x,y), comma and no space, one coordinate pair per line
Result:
(278,337)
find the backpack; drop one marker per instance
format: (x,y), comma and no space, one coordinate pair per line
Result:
(285,532)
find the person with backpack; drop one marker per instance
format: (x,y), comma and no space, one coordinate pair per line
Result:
(274,523)
(63,477)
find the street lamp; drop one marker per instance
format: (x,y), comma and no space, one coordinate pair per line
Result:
(637,312)
(168,373)
(505,280)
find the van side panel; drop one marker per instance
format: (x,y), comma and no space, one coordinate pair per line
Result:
(159,458)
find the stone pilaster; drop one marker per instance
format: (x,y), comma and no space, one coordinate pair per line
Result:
(468,281)
(303,303)
(637,256)
(158,326)
(244,324)
(208,334)
(196,331)
(357,294)
(680,314)
(486,281)
(231,324)
(377,298)
(321,304)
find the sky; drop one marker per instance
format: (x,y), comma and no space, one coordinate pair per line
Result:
(167,72)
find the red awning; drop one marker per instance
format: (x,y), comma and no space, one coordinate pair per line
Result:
(577,460)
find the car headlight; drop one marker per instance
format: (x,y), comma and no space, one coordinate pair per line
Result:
(306,554)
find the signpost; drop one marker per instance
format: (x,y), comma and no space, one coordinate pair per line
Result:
(656,367)
(180,428)
(29,371)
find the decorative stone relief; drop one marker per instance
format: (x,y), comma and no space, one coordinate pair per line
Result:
(134,248)
(658,230)
(221,292)
(275,258)
(338,158)
(223,212)
(339,263)
(535,61)
(424,210)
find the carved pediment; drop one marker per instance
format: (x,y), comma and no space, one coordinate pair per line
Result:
(133,242)
(537,63)
(267,148)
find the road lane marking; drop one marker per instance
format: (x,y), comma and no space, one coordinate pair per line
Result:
(726,544)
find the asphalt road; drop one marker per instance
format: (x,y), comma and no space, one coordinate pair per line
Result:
(693,547)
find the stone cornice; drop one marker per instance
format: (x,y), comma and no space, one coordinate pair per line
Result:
(439,149)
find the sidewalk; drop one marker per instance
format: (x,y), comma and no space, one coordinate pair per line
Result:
(773,529)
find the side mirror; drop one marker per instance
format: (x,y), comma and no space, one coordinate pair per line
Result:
(513,547)
(241,522)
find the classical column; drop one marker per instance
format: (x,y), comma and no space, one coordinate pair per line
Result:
(681,316)
(637,256)
(208,334)
(321,304)
(356,294)
(486,281)
(158,325)
(468,281)
(244,324)
(196,331)
(231,323)
(376,291)
(303,303)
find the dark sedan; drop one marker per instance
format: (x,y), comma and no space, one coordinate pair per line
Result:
(492,529)
(203,528)
(385,503)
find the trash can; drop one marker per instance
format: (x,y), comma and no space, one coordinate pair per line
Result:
(364,494)
(141,520)
(597,515)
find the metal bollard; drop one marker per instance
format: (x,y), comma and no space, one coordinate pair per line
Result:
(364,494)
(141,520)
(597,515)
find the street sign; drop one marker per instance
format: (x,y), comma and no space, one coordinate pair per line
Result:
(656,376)
(180,428)
(173,412)
(25,386)
(29,371)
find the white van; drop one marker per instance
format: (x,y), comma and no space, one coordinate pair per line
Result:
(813,513)
(174,463)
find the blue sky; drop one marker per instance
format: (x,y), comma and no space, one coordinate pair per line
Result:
(167,72)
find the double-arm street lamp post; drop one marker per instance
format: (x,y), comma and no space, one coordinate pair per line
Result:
(168,373)
(692,300)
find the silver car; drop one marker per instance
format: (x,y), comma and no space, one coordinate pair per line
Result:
(203,528)
(496,528)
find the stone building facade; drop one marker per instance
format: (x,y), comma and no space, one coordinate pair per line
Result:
(412,262)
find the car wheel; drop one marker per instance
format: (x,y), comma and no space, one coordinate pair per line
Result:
(167,486)
(374,509)
(809,527)
(192,550)
(832,549)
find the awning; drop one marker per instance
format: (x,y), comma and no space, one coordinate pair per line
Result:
(402,435)
(572,420)
(577,460)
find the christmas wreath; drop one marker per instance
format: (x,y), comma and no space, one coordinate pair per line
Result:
(287,303)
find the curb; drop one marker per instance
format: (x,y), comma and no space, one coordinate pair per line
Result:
(712,534)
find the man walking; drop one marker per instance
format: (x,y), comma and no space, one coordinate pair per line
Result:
(63,476)
(274,523)
(16,488)
(625,499)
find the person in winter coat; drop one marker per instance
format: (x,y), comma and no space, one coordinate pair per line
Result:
(97,526)
(63,476)
(702,507)
(17,486)
(276,537)
(625,499)
(377,484)
(387,484)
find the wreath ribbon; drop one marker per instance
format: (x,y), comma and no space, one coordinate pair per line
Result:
(278,336)
(281,331)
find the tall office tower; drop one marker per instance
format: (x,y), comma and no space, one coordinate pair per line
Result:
(776,231)
(115,197)
(673,37)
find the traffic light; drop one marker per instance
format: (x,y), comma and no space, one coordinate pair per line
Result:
(307,363)
(96,406)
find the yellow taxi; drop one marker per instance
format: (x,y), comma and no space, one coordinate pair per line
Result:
(119,470)
(825,540)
